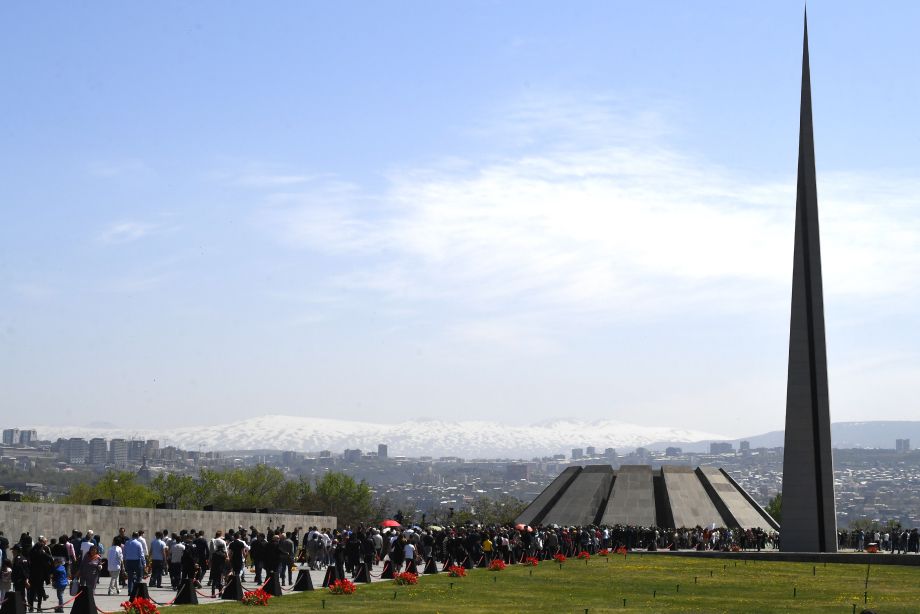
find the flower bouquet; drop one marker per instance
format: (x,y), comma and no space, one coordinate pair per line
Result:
(140,605)
(406,577)
(532,561)
(559,558)
(496,565)
(604,552)
(456,571)
(256,597)
(584,555)
(342,587)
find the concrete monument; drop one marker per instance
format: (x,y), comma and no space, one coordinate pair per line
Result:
(809,520)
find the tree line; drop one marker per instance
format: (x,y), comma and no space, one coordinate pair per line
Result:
(261,486)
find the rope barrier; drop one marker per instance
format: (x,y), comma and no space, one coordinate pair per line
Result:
(69,601)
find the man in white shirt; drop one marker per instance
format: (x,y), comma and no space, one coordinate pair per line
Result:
(217,542)
(87,543)
(143,541)
(116,557)
(175,563)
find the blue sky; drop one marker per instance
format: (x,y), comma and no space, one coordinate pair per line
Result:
(489,210)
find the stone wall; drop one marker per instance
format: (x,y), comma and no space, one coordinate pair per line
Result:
(52,520)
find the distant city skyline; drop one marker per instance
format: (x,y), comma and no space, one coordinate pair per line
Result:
(507,213)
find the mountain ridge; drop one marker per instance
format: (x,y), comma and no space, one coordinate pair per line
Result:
(468,439)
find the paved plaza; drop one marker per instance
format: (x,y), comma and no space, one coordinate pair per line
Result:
(112,603)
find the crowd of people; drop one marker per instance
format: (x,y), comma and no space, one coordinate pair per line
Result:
(896,540)
(32,566)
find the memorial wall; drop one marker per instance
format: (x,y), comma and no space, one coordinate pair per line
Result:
(53,520)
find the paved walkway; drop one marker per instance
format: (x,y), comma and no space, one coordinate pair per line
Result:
(112,603)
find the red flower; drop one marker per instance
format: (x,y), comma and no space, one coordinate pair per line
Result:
(456,571)
(532,560)
(559,558)
(604,552)
(584,555)
(140,605)
(342,587)
(406,577)
(496,565)
(256,597)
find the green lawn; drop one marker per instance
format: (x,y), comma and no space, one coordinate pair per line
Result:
(648,583)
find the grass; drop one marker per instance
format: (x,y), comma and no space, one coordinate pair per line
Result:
(648,583)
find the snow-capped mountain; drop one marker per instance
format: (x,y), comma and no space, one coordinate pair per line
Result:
(468,439)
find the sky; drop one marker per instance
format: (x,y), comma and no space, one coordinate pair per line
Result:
(511,211)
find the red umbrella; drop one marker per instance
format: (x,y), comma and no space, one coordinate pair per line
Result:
(389,524)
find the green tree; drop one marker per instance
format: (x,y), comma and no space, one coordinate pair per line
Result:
(486,510)
(339,495)
(121,487)
(775,507)
(296,495)
(180,490)
(209,489)
(251,487)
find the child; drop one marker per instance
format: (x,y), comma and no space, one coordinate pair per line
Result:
(60,583)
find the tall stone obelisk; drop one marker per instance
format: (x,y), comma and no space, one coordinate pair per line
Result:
(809,521)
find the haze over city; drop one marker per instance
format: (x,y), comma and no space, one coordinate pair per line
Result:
(479,211)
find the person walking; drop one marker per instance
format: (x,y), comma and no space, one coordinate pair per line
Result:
(6,578)
(158,554)
(116,558)
(237,550)
(90,566)
(40,566)
(218,567)
(134,561)
(60,582)
(176,552)
(286,557)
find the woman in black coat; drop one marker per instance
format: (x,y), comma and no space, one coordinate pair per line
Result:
(39,572)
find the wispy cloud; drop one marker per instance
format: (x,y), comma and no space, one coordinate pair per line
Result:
(269,180)
(108,169)
(577,224)
(126,232)
(34,291)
